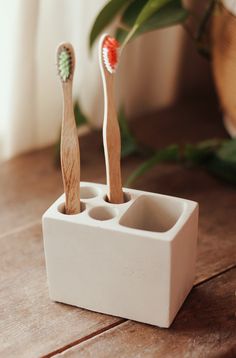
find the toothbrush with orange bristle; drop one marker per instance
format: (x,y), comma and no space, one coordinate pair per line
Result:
(108,55)
(70,153)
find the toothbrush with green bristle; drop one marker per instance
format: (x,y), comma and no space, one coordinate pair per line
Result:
(70,153)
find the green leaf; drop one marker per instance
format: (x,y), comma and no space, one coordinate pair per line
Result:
(149,9)
(121,34)
(80,118)
(227,152)
(105,17)
(132,11)
(168,154)
(217,156)
(169,15)
(199,154)
(223,164)
(128,143)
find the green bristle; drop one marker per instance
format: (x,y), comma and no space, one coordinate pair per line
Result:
(64,64)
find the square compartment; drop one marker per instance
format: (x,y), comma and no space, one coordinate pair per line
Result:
(157,214)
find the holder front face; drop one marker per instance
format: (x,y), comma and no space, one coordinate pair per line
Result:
(134,260)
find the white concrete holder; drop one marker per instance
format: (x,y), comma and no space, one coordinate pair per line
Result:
(134,260)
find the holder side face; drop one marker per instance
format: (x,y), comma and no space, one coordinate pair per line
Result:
(134,260)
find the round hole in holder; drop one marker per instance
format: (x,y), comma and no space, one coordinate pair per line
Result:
(61,208)
(102,213)
(127,197)
(88,192)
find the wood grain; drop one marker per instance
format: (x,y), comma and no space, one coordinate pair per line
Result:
(70,154)
(30,324)
(111,135)
(205,327)
(70,151)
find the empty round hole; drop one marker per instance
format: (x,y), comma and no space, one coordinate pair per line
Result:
(102,213)
(127,197)
(61,208)
(88,192)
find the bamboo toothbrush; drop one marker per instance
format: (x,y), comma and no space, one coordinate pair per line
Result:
(108,55)
(70,153)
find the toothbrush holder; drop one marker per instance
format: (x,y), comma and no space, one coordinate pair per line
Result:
(134,260)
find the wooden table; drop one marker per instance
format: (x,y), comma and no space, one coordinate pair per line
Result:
(33,326)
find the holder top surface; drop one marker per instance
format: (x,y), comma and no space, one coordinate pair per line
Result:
(142,214)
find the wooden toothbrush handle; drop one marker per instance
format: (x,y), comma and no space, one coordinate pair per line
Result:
(112,146)
(70,154)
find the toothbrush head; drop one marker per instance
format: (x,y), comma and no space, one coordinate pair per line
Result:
(65,61)
(110,48)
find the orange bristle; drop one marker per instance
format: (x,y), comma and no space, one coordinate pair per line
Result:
(111,44)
